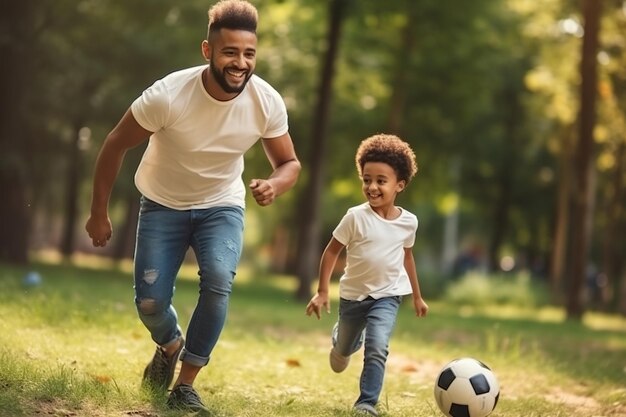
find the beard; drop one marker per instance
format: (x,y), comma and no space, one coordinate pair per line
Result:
(220,77)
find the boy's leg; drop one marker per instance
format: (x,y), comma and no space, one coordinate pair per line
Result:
(347,333)
(381,319)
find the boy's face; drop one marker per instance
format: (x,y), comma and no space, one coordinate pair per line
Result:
(380,184)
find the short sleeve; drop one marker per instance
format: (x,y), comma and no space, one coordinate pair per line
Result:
(151,109)
(344,231)
(277,124)
(410,239)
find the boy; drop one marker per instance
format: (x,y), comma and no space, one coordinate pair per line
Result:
(380,268)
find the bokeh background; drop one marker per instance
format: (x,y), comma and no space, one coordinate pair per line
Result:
(516,110)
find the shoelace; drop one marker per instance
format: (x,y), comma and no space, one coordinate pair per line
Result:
(190,395)
(160,364)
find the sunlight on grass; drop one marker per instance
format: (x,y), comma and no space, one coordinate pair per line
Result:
(74,346)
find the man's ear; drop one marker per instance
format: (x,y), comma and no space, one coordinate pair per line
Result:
(206,50)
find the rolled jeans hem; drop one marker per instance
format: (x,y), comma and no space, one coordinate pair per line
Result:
(195,360)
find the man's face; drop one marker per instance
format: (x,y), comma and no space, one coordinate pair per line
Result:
(233,59)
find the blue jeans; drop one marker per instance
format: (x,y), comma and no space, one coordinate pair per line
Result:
(377,318)
(163,237)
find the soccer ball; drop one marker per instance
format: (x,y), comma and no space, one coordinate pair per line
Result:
(466,387)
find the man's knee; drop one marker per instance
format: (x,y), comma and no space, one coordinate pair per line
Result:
(149,306)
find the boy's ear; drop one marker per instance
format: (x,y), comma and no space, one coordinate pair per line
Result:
(401,186)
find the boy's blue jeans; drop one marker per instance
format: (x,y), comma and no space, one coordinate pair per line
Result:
(378,318)
(163,237)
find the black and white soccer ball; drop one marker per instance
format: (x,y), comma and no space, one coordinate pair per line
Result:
(466,387)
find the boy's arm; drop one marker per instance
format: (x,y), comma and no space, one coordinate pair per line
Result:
(421,308)
(327,265)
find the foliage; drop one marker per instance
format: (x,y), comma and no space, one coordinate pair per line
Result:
(515,289)
(485,91)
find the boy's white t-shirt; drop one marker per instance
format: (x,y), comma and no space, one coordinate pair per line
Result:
(194,158)
(374,253)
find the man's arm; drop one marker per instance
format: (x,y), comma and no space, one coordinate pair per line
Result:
(282,156)
(126,135)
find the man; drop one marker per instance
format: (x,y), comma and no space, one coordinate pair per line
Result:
(200,121)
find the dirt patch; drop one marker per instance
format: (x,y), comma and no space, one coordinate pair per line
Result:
(59,409)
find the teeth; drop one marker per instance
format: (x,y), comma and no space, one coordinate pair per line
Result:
(236,73)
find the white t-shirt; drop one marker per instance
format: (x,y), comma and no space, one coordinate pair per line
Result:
(194,158)
(375,253)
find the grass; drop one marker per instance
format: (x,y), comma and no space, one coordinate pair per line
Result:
(73,346)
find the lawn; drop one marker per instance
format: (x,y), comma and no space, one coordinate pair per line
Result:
(73,346)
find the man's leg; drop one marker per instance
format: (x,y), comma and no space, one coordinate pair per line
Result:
(217,242)
(162,241)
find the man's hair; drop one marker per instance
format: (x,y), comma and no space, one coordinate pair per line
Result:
(390,150)
(232,14)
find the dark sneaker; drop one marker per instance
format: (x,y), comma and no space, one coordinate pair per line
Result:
(160,371)
(184,397)
(365,409)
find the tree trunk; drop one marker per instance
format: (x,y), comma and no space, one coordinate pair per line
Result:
(71,198)
(612,250)
(16,32)
(584,158)
(309,224)
(401,74)
(506,170)
(562,217)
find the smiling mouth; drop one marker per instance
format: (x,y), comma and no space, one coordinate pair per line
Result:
(237,74)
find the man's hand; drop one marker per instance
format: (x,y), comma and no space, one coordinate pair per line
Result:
(99,230)
(262,191)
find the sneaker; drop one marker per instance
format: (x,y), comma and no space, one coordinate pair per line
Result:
(366,409)
(160,371)
(338,362)
(184,397)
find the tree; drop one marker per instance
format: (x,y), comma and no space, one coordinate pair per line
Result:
(584,157)
(309,220)
(18,29)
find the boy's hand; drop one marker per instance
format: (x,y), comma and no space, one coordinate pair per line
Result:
(318,301)
(421,308)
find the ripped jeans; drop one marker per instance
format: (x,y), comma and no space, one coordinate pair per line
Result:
(163,237)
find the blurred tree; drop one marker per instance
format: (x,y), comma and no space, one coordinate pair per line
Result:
(19,25)
(584,157)
(309,219)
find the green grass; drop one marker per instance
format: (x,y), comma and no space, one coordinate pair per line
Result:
(74,346)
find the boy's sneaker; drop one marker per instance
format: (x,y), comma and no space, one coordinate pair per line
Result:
(365,409)
(160,371)
(338,362)
(184,397)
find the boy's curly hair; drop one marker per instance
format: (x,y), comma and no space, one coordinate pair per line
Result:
(234,15)
(391,150)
